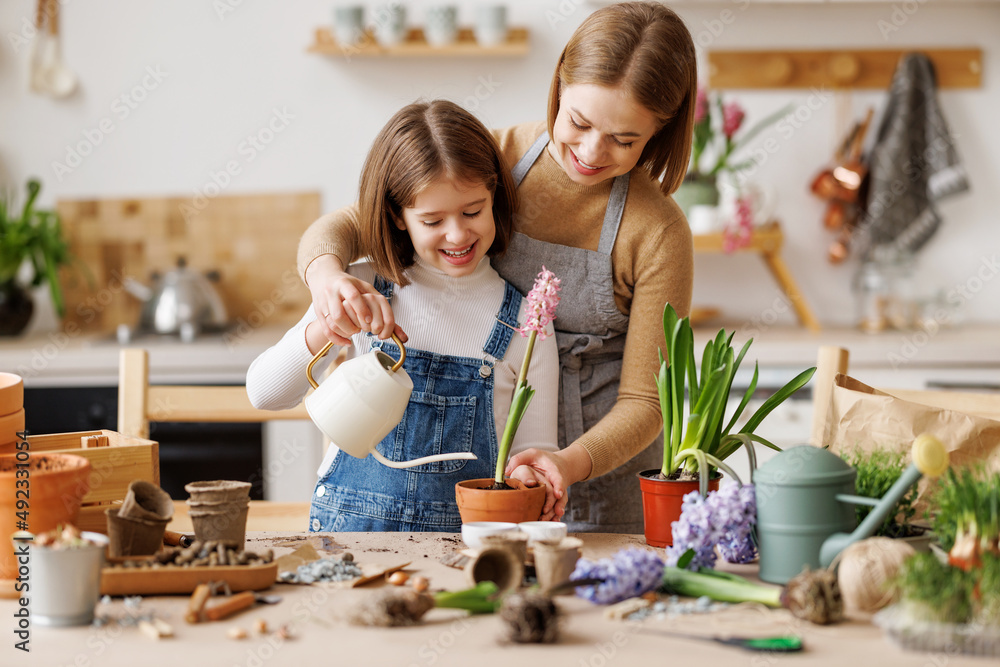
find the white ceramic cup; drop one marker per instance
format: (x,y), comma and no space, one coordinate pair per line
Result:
(441,25)
(491,24)
(546,532)
(348,24)
(390,24)
(362,401)
(474,532)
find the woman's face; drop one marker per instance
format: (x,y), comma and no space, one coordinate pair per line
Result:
(599,132)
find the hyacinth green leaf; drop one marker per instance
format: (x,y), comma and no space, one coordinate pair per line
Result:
(777,398)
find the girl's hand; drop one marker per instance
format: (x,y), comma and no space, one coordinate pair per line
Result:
(549,468)
(345,305)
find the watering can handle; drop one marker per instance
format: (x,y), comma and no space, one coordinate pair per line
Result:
(326,348)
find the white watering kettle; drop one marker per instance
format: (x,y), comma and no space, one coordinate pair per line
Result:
(362,401)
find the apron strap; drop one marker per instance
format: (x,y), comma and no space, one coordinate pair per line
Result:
(613,213)
(520,169)
(496,345)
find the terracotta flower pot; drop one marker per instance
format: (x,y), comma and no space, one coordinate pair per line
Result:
(58,483)
(477,502)
(661,504)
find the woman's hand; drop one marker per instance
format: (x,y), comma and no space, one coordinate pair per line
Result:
(345,305)
(557,470)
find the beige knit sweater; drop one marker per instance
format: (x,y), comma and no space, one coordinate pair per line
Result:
(653,261)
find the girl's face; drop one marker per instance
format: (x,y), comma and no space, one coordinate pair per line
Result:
(451,225)
(599,132)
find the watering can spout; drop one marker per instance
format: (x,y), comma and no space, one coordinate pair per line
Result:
(930,458)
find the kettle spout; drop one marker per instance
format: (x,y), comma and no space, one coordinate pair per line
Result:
(930,458)
(137,289)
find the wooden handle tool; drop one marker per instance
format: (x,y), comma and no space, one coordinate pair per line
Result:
(197,603)
(230,606)
(173,539)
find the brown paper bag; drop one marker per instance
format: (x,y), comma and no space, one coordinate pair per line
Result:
(867,418)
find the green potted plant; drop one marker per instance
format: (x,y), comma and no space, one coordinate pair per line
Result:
(697,436)
(34,236)
(506,499)
(877,470)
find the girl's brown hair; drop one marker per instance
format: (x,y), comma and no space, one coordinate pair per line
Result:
(647,50)
(422,142)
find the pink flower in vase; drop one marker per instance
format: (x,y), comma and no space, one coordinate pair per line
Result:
(739,233)
(700,105)
(732,118)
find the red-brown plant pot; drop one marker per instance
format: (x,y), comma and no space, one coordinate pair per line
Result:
(477,502)
(661,504)
(57,485)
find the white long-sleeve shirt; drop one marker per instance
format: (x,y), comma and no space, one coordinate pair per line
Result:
(441,314)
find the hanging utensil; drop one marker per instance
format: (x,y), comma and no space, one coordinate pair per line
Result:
(36,79)
(58,77)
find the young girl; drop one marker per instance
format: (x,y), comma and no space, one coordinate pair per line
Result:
(594,178)
(436,202)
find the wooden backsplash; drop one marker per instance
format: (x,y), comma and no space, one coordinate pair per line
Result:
(250,240)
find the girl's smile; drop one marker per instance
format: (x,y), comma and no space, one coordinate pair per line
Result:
(599,132)
(451,225)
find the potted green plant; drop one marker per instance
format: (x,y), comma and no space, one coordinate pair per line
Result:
(697,436)
(30,236)
(500,498)
(877,470)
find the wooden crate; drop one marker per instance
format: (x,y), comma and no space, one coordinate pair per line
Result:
(112,467)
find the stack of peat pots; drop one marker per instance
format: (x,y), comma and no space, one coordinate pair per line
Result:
(218,511)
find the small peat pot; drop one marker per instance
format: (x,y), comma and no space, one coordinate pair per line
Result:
(478,502)
(661,504)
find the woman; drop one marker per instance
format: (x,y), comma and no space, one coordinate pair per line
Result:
(594,210)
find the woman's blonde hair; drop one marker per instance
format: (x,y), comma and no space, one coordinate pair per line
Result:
(647,50)
(422,142)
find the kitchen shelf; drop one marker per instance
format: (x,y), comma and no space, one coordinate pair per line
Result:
(767,240)
(415,45)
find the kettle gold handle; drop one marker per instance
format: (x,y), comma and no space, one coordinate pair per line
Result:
(326,348)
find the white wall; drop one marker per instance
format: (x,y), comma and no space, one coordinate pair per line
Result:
(224,75)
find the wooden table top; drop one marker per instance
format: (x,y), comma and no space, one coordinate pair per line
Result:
(316,616)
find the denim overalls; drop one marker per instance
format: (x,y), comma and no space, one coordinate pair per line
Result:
(450,410)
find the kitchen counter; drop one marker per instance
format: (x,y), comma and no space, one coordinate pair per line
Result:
(59,359)
(316,617)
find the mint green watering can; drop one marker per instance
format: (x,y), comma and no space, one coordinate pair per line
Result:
(805,498)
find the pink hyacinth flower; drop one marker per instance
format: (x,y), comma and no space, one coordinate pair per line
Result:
(732,118)
(542,301)
(700,105)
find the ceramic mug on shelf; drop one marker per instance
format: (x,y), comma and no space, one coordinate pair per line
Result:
(441,25)
(362,401)
(348,24)
(390,24)
(491,24)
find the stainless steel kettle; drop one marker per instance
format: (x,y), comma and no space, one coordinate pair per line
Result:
(182,302)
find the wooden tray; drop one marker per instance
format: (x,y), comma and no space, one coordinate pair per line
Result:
(173,579)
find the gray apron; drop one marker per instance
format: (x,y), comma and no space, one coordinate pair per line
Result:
(590,331)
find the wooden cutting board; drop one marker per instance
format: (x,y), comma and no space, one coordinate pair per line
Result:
(251,240)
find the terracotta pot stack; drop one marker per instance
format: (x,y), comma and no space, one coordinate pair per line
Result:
(218,510)
(137,527)
(58,484)
(11,411)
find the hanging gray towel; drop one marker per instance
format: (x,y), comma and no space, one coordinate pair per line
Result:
(912,165)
